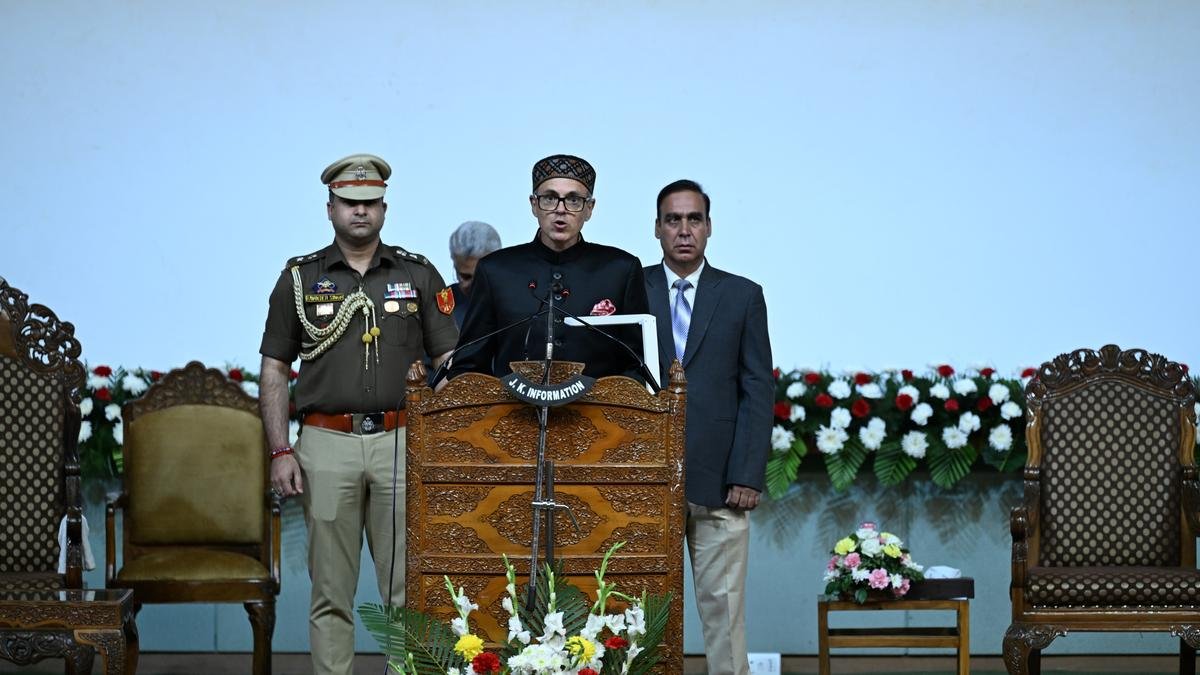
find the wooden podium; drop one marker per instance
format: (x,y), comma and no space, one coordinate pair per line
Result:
(618,453)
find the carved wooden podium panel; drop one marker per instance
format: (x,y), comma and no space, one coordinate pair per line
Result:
(618,454)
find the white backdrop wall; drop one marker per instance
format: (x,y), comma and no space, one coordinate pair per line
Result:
(910,181)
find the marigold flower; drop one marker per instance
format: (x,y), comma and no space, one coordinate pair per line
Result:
(469,646)
(581,648)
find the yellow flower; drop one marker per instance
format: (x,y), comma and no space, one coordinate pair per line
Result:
(844,546)
(469,646)
(581,648)
(892,550)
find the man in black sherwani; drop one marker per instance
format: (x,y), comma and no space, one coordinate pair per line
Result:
(585,279)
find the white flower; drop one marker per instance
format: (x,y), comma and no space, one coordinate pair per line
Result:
(861,573)
(831,439)
(517,632)
(998,393)
(868,532)
(968,422)
(85,406)
(798,414)
(85,431)
(897,580)
(964,387)
(830,575)
(1001,437)
(134,384)
(839,418)
(781,439)
(886,538)
(250,388)
(1010,411)
(464,604)
(112,412)
(554,626)
(939,390)
(912,392)
(119,433)
(615,623)
(839,389)
(921,413)
(459,626)
(796,389)
(634,650)
(908,562)
(953,437)
(914,444)
(595,624)
(872,435)
(506,603)
(870,546)
(293,432)
(870,390)
(635,621)
(95,382)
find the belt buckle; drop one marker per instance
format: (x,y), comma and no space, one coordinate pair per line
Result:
(369,423)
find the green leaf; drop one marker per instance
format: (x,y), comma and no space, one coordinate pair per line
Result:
(892,466)
(410,632)
(860,595)
(946,466)
(843,466)
(1014,460)
(656,609)
(783,467)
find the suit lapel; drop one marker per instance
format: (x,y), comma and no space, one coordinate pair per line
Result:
(659,298)
(708,296)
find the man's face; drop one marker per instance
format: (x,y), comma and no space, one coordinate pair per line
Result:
(683,229)
(356,222)
(559,228)
(464,269)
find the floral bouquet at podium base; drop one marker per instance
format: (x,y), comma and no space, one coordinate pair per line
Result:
(869,564)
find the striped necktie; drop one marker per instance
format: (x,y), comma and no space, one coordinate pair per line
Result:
(681,316)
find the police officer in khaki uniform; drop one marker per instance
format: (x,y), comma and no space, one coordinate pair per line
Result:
(357,313)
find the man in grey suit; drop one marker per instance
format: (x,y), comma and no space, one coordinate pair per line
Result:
(715,323)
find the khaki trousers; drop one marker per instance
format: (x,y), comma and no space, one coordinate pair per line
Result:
(719,544)
(348,482)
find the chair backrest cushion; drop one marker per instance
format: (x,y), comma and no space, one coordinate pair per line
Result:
(1110,477)
(195,474)
(31,467)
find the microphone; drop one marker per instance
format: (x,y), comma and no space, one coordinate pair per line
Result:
(444,369)
(641,364)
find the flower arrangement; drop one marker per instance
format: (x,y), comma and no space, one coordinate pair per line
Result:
(107,390)
(868,560)
(899,419)
(560,634)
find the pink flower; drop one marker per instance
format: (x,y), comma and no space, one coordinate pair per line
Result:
(879,579)
(852,560)
(604,308)
(903,588)
(833,564)
(866,525)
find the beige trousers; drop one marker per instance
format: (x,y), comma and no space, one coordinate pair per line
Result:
(348,483)
(719,544)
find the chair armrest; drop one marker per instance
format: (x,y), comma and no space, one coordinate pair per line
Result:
(110,535)
(1020,526)
(1191,499)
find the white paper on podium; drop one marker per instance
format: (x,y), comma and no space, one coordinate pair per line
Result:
(649,326)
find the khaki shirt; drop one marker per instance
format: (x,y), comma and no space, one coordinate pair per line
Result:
(410,322)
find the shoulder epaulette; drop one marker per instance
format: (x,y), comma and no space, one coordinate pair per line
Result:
(415,257)
(301,259)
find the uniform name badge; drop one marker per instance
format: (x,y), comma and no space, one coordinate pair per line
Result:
(325,309)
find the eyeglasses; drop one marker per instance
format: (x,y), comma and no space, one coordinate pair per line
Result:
(573,202)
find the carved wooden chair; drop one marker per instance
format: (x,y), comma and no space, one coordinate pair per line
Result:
(1105,539)
(40,381)
(199,523)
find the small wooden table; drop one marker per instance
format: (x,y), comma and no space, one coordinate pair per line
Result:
(70,624)
(930,594)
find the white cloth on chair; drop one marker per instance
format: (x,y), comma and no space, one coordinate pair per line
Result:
(89,563)
(942,572)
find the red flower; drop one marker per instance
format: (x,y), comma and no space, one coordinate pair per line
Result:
(616,642)
(983,404)
(812,378)
(777,372)
(987,372)
(1029,372)
(945,370)
(155,375)
(860,408)
(951,405)
(102,371)
(1185,368)
(862,378)
(907,375)
(293,375)
(824,401)
(486,662)
(904,402)
(783,410)
(103,394)
(235,374)
(588,671)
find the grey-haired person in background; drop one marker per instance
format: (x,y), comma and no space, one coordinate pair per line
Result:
(471,241)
